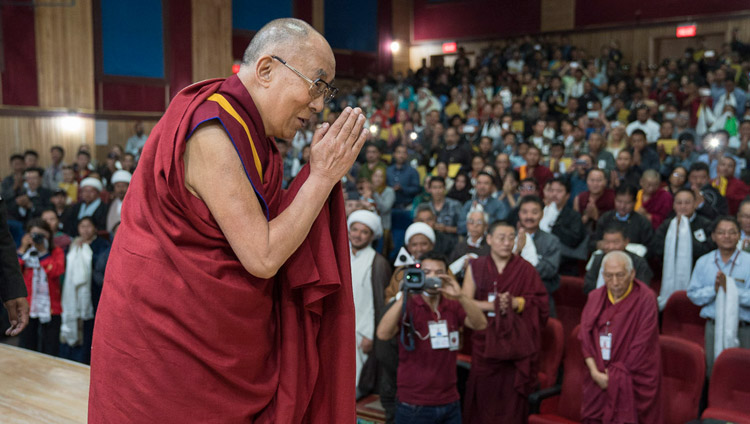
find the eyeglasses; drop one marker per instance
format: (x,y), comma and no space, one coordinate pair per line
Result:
(318,87)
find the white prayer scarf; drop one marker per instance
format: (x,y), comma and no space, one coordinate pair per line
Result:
(678,259)
(76,295)
(727,318)
(549,218)
(40,299)
(529,250)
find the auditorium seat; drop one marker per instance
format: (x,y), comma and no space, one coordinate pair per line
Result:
(682,319)
(564,403)
(370,410)
(569,302)
(550,357)
(400,221)
(683,376)
(728,390)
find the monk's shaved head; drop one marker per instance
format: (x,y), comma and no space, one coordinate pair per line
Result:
(278,37)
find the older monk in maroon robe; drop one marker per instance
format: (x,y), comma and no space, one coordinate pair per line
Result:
(505,356)
(620,343)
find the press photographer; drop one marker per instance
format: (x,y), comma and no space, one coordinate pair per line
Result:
(429,337)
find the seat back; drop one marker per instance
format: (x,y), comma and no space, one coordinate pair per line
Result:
(574,372)
(682,319)
(683,375)
(729,389)
(569,302)
(550,356)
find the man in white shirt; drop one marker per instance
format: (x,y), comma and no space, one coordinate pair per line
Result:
(137,141)
(644,122)
(120,182)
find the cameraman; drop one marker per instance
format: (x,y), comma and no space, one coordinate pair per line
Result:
(426,383)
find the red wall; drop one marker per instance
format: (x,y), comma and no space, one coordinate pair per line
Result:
(19,73)
(597,12)
(471,19)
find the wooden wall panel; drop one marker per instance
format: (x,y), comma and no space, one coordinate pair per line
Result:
(212,38)
(558,15)
(402,10)
(65,55)
(118,132)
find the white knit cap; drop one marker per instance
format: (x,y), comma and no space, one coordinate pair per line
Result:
(370,219)
(91,182)
(419,228)
(121,177)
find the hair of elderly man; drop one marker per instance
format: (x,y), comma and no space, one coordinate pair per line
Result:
(284,33)
(479,209)
(619,255)
(424,207)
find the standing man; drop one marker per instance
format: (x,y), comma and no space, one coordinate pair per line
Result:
(32,198)
(620,343)
(447,211)
(499,385)
(220,265)
(136,141)
(403,178)
(120,182)
(709,202)
(712,273)
(370,276)
(483,198)
(90,204)
(53,174)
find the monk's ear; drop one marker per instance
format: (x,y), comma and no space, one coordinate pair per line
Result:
(263,70)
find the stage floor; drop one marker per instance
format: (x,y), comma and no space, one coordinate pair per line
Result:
(37,388)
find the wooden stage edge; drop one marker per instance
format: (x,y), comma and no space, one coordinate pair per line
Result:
(38,388)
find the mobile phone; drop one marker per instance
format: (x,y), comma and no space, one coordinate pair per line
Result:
(592,114)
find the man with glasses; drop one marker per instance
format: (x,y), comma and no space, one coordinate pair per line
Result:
(711,275)
(620,344)
(201,283)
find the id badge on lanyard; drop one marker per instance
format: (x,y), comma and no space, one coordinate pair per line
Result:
(439,336)
(605,343)
(491,298)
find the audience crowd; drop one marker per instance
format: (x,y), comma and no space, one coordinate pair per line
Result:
(529,160)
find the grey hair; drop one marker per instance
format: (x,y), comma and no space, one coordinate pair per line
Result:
(651,174)
(424,207)
(621,256)
(284,32)
(480,209)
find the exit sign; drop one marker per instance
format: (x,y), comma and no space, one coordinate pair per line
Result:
(686,31)
(449,47)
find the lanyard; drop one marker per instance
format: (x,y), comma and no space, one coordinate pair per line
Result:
(734,261)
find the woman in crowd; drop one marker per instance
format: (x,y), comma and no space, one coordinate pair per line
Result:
(42,264)
(677,180)
(462,188)
(618,140)
(509,193)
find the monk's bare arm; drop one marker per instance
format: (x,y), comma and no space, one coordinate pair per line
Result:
(469,289)
(388,326)
(475,318)
(214,174)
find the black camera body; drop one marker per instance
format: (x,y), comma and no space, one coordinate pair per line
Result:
(415,280)
(37,238)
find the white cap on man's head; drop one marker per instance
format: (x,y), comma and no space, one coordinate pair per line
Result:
(419,228)
(91,182)
(370,219)
(121,176)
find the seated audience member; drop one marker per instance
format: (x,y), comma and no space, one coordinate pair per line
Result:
(560,219)
(624,173)
(679,242)
(527,187)
(533,169)
(502,167)
(385,198)
(638,228)
(403,178)
(80,298)
(603,159)
(743,218)
(83,166)
(504,363)
(418,240)
(538,247)
(69,184)
(462,188)
(483,197)
(426,215)
(370,276)
(733,189)
(426,382)
(677,180)
(454,151)
(31,199)
(14,182)
(58,202)
(373,161)
(615,238)
(644,156)
(597,200)
(509,190)
(557,164)
(42,264)
(711,203)
(717,270)
(577,176)
(447,211)
(475,244)
(120,182)
(652,201)
(620,344)
(90,205)
(128,162)
(59,238)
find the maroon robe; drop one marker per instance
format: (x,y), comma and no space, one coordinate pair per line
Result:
(605,202)
(183,332)
(737,190)
(497,391)
(659,205)
(633,393)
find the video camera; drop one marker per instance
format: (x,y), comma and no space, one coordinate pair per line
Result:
(415,280)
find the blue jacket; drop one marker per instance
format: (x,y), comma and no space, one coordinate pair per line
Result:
(408,178)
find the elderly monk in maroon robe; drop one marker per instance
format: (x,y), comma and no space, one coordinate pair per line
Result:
(510,291)
(223,294)
(620,344)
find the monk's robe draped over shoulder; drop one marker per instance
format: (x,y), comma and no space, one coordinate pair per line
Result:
(633,392)
(183,332)
(497,391)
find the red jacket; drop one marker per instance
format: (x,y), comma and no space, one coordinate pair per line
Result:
(54,265)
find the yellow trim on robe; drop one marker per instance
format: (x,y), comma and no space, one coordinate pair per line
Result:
(721,185)
(638,200)
(627,292)
(521,304)
(218,98)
